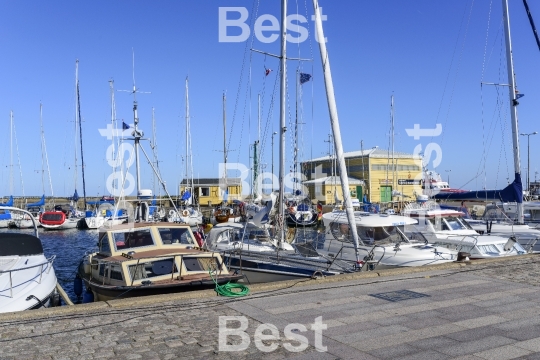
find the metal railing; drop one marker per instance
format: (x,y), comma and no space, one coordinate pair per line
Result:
(47,269)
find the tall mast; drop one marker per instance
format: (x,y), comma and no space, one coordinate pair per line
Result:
(332,108)
(11,152)
(513,106)
(225,134)
(392,129)
(44,150)
(295,165)
(113,126)
(80,135)
(282,115)
(153,150)
(76,121)
(189,164)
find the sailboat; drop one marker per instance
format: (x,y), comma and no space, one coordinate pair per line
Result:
(303,262)
(188,214)
(513,193)
(67,216)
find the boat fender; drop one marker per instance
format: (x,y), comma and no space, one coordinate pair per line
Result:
(185,213)
(78,286)
(88,297)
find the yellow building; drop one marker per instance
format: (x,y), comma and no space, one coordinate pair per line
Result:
(328,189)
(382,181)
(208,192)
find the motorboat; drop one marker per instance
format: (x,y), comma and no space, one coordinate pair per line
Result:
(27,277)
(62,217)
(242,236)
(482,247)
(148,258)
(436,222)
(384,243)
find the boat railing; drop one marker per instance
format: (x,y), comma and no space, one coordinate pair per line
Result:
(49,261)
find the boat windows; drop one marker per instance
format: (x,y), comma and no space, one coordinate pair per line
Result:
(133,239)
(453,223)
(115,272)
(381,235)
(489,249)
(200,263)
(103,243)
(152,269)
(175,236)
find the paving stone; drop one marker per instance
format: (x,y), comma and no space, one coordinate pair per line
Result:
(472,347)
(503,353)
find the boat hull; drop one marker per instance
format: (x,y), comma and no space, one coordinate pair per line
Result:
(105,292)
(68,224)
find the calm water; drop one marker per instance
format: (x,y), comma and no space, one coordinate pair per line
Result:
(69,246)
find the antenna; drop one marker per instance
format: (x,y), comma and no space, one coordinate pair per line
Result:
(137,134)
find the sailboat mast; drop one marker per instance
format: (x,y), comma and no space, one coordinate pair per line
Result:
(76,122)
(113,126)
(11,152)
(282,115)
(225,133)
(44,151)
(513,107)
(42,154)
(332,107)
(80,135)
(392,129)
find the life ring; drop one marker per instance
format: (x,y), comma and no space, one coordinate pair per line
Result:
(185,213)
(172,213)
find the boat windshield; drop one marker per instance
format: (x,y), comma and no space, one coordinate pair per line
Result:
(176,236)
(449,223)
(381,235)
(133,238)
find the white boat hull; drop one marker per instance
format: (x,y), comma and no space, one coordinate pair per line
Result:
(37,281)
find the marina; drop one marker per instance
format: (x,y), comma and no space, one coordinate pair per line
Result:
(156,250)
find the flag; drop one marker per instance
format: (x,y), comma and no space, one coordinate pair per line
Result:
(267,71)
(304,78)
(125,126)
(519,96)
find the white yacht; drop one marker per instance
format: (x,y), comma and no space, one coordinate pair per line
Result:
(384,242)
(27,277)
(448,227)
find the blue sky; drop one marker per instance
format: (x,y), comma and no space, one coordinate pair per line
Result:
(431,55)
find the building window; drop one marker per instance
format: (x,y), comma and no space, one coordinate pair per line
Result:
(205,191)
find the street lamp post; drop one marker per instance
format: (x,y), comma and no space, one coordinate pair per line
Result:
(274,133)
(528,158)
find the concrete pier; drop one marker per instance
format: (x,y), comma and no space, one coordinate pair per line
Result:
(475,310)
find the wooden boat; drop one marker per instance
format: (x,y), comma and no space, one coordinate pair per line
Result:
(138,259)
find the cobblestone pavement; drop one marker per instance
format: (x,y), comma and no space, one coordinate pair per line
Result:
(487,311)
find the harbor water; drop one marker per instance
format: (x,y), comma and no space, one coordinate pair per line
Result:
(69,246)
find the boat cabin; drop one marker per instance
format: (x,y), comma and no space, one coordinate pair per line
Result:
(143,253)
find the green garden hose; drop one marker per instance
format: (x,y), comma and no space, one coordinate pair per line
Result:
(229,289)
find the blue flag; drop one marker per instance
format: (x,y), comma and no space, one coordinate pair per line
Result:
(125,126)
(519,96)
(304,78)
